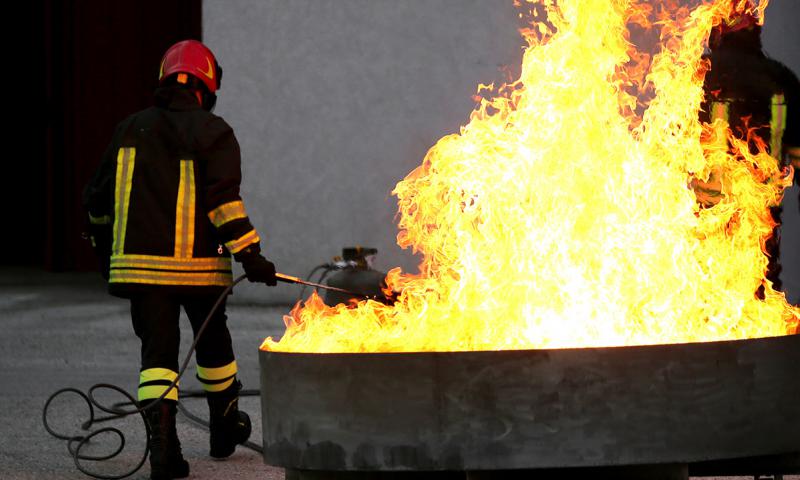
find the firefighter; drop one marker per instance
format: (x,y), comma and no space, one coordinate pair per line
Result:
(165,217)
(751,92)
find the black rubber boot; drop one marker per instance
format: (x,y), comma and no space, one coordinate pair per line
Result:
(229,427)
(166,459)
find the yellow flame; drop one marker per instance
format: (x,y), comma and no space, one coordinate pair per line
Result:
(558,217)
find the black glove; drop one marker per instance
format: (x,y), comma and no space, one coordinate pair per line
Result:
(256,267)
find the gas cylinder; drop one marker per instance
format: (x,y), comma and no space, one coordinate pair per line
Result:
(355,273)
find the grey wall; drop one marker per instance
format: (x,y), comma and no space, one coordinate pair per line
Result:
(334,102)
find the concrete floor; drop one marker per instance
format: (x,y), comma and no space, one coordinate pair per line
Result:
(63,330)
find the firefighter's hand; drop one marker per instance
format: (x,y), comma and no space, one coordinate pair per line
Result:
(708,193)
(258,269)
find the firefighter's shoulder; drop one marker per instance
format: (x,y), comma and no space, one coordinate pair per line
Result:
(215,131)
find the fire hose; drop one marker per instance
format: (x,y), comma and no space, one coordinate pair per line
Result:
(76,442)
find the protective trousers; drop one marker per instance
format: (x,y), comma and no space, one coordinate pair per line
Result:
(155,316)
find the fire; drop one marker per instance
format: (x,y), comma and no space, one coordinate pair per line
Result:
(561,216)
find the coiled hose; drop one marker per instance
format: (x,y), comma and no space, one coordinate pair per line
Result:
(76,442)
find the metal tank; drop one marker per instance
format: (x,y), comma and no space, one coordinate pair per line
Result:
(355,273)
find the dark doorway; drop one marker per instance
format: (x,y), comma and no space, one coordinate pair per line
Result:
(94,62)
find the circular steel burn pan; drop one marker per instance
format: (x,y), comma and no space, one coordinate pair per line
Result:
(526,409)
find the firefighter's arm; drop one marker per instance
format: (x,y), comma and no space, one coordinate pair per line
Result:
(223,177)
(225,206)
(708,192)
(791,140)
(792,156)
(98,205)
(791,135)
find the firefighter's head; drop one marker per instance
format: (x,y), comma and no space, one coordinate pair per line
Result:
(742,29)
(191,64)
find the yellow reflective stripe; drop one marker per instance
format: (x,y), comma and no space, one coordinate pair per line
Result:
(719,110)
(227,212)
(123,275)
(777,124)
(170,263)
(217,373)
(147,392)
(125,163)
(104,220)
(189,233)
(159,258)
(216,387)
(155,391)
(240,243)
(184,211)
(793,152)
(150,374)
(179,203)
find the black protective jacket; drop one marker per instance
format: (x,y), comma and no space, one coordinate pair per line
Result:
(164,205)
(754,92)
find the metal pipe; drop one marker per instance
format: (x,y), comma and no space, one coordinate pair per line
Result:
(296,280)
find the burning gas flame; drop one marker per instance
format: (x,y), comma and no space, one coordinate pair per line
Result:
(561,217)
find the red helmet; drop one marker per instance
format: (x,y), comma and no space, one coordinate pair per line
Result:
(744,16)
(194,58)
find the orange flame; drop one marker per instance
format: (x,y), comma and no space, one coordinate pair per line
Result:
(561,217)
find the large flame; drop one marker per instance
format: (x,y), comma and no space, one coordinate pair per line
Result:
(561,217)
